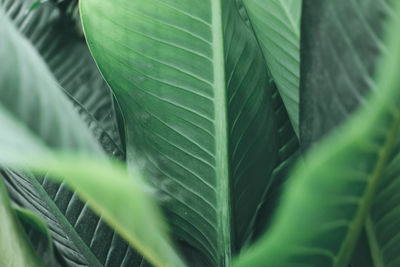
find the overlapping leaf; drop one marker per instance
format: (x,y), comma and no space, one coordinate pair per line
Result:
(68,57)
(65,52)
(67,148)
(289,154)
(14,243)
(328,200)
(331,100)
(276,24)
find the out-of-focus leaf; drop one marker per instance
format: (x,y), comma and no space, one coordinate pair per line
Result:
(341,42)
(328,198)
(362,253)
(121,201)
(69,59)
(15,247)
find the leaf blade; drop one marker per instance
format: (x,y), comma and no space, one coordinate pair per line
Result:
(25,148)
(183,84)
(277,27)
(362,152)
(15,245)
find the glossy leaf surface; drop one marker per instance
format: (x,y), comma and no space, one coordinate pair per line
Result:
(194,93)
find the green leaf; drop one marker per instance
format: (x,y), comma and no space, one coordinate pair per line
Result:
(289,154)
(110,143)
(341,43)
(80,237)
(276,24)
(329,101)
(89,176)
(328,198)
(383,224)
(16,249)
(71,152)
(362,253)
(37,223)
(69,59)
(193,89)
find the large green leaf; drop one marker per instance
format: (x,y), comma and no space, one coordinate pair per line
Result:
(57,140)
(276,24)
(193,89)
(328,198)
(16,249)
(341,43)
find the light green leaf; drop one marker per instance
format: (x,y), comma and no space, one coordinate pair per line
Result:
(328,198)
(191,83)
(276,24)
(29,90)
(16,249)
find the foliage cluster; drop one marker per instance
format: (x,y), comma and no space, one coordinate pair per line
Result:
(199,133)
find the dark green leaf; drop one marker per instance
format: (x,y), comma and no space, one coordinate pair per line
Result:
(289,153)
(341,43)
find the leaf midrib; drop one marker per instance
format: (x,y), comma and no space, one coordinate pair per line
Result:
(358,221)
(67,227)
(221,137)
(373,244)
(295,26)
